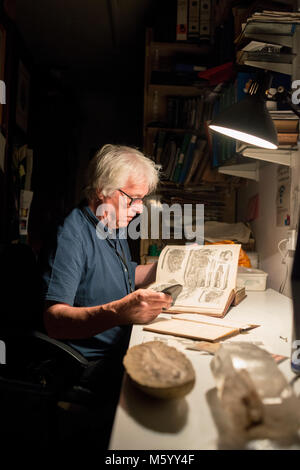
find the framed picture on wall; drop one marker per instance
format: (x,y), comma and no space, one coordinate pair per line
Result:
(23,90)
(2,69)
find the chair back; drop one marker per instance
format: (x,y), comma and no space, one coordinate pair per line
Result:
(20,288)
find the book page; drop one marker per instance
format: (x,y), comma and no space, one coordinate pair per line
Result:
(207,273)
(193,330)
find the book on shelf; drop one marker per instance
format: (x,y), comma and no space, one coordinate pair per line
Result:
(270,26)
(182,20)
(286,125)
(176,159)
(275,33)
(204,161)
(197,157)
(285,116)
(168,155)
(288,138)
(205,19)
(258,46)
(182,152)
(268,65)
(193,32)
(188,157)
(159,144)
(265,56)
(275,39)
(218,74)
(207,274)
(275,16)
(281,27)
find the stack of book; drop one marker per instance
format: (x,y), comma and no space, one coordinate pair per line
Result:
(275,27)
(267,40)
(267,56)
(287,126)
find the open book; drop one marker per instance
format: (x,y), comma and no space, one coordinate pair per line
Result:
(207,274)
(197,329)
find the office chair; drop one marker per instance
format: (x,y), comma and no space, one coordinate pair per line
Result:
(40,393)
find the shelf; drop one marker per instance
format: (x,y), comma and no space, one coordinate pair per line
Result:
(176,130)
(185,47)
(242,170)
(177,89)
(281,157)
(272,66)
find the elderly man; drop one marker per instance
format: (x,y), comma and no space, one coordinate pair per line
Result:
(90,285)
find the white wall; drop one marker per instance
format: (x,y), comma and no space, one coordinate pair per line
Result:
(266,233)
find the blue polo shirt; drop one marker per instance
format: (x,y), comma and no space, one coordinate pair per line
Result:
(85,271)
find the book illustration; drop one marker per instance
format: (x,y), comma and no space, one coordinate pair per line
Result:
(172,259)
(207,275)
(208,270)
(211,296)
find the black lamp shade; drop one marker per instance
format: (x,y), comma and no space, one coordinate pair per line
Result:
(248,121)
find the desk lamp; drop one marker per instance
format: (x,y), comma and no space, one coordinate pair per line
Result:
(249,120)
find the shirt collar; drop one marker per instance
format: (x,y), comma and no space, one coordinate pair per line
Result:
(112,233)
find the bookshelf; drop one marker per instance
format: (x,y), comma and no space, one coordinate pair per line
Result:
(281,56)
(160,79)
(169,92)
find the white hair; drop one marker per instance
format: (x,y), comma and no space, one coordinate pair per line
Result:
(114,165)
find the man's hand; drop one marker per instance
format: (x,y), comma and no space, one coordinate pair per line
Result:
(141,306)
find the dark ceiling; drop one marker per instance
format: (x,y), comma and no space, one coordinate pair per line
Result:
(83,33)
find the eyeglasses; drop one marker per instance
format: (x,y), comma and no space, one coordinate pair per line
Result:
(133,200)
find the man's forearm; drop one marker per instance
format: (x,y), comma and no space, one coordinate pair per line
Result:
(63,321)
(145,274)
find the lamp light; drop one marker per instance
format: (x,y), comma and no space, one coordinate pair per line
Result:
(249,120)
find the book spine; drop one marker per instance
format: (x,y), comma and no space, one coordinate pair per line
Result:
(287,138)
(287,125)
(194,20)
(183,149)
(175,163)
(205,19)
(187,159)
(160,145)
(182,20)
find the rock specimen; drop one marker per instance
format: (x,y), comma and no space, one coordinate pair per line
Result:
(159,370)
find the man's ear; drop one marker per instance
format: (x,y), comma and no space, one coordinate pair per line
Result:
(99,194)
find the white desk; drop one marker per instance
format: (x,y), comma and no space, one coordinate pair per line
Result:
(187,424)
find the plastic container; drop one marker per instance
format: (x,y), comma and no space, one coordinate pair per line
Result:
(253,256)
(251,279)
